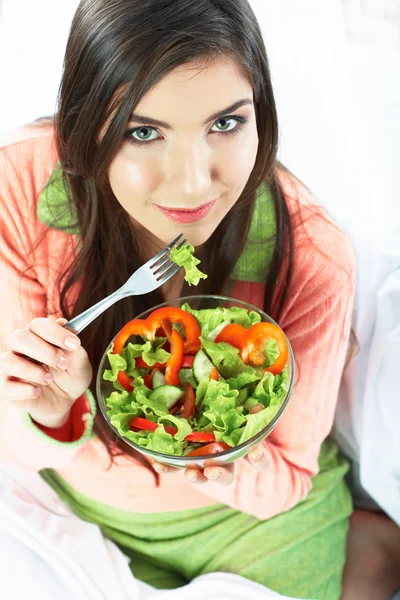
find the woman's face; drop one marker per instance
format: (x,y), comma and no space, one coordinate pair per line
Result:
(188,151)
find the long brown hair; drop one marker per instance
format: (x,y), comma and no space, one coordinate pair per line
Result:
(116,52)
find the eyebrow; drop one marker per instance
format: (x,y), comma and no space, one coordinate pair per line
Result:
(229,109)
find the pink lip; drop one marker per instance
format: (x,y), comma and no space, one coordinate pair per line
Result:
(187,216)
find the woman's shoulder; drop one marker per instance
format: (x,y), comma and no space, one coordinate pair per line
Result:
(320,243)
(27,159)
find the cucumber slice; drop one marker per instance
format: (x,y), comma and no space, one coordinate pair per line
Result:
(187,375)
(213,334)
(169,393)
(157,380)
(202,366)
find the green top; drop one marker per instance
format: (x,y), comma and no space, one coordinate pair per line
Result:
(55,211)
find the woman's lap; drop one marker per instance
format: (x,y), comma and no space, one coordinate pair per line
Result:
(298,553)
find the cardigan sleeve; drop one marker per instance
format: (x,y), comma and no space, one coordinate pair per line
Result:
(24,297)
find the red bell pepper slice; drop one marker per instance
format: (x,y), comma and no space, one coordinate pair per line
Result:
(174,362)
(213,448)
(251,343)
(139,362)
(140,423)
(200,436)
(174,316)
(145,424)
(187,362)
(257,336)
(190,402)
(125,381)
(233,334)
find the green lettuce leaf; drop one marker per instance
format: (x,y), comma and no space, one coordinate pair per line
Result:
(182,426)
(183,257)
(151,352)
(161,441)
(210,318)
(271,350)
(246,377)
(224,357)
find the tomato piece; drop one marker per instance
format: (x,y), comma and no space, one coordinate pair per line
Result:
(187,362)
(200,436)
(213,448)
(147,425)
(190,402)
(214,374)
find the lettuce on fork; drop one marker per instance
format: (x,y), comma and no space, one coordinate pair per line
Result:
(183,257)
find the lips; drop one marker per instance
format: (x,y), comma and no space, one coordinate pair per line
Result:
(185,215)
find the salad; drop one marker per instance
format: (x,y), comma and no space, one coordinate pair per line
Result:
(199,381)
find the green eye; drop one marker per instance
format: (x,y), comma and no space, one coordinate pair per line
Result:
(227,124)
(144,134)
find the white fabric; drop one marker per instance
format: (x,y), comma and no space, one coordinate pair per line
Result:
(47,552)
(367,424)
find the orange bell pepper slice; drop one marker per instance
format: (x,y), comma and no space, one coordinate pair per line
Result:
(251,343)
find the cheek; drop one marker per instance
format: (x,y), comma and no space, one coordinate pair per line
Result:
(238,160)
(131,181)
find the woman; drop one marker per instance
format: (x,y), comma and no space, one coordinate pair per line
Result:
(165,109)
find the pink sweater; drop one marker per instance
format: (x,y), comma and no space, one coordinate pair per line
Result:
(316,319)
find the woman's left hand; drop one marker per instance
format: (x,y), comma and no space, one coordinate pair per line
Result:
(223,475)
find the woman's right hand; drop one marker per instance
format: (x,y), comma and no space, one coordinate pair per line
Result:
(46,391)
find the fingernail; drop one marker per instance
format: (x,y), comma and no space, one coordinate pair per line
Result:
(71,342)
(36,392)
(256,456)
(214,475)
(48,378)
(192,477)
(160,469)
(62,363)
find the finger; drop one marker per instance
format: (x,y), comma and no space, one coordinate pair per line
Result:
(13,365)
(221,475)
(195,475)
(54,333)
(258,458)
(19,393)
(161,468)
(29,344)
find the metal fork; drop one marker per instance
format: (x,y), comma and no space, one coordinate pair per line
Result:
(147,278)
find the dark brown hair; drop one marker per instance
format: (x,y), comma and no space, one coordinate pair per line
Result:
(117,50)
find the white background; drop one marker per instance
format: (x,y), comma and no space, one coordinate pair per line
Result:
(336,72)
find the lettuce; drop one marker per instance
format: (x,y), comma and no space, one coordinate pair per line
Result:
(210,318)
(224,357)
(183,257)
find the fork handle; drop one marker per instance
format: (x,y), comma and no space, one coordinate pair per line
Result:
(84,319)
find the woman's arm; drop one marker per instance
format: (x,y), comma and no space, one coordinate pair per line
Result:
(24,297)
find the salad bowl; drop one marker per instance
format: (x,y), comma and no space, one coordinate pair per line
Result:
(219,405)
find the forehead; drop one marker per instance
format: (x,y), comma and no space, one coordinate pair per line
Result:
(195,89)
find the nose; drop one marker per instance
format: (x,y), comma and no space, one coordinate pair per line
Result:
(189,170)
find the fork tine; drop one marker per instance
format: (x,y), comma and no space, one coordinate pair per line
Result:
(164,251)
(159,265)
(168,264)
(169,274)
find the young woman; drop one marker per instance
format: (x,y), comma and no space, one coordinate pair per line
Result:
(166,108)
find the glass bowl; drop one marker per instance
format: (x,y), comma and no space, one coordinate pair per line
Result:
(104,389)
